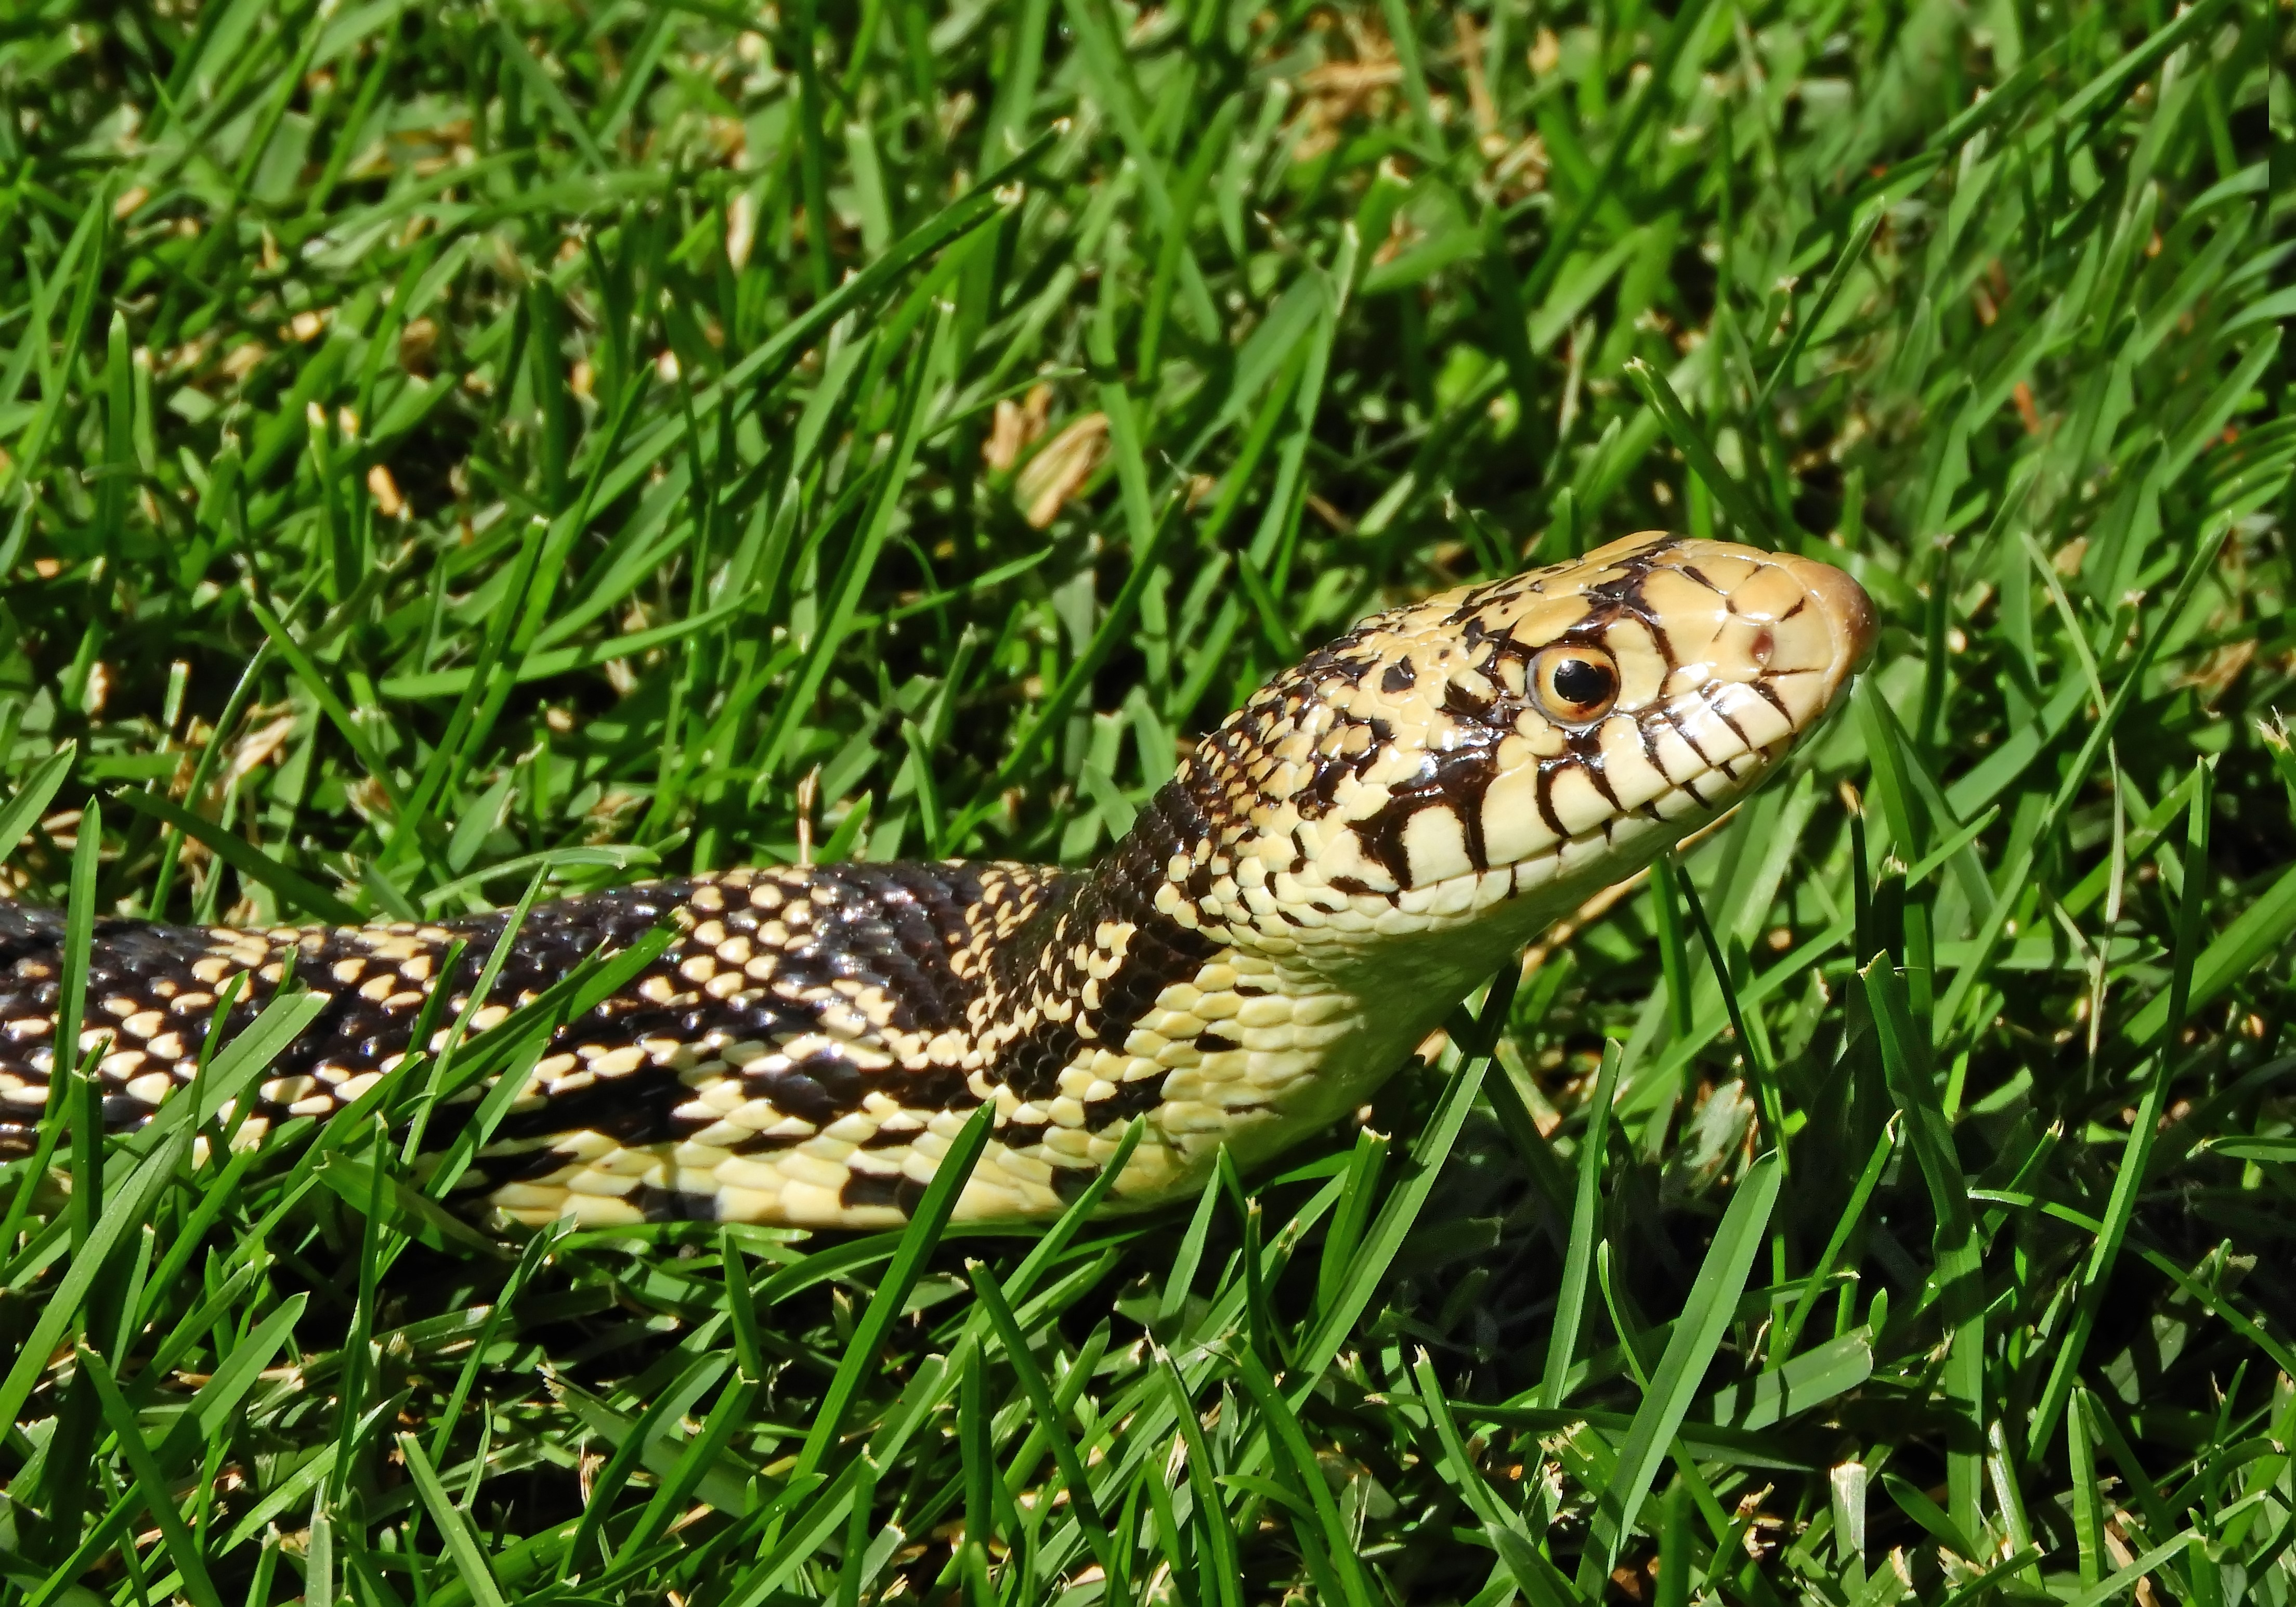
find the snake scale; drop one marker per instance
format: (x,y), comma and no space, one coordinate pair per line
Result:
(1329,871)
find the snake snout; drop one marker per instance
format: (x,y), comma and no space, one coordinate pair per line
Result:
(1849,611)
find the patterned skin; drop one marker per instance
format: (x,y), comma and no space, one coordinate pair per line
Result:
(1329,871)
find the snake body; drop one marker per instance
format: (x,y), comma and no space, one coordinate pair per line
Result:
(1329,871)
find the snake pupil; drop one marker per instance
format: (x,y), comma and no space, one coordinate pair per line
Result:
(1582,681)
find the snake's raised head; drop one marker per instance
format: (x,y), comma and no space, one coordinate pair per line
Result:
(1510,745)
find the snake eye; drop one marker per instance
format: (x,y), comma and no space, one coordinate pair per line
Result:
(1576,684)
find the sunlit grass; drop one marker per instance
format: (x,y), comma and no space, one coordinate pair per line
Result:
(450,447)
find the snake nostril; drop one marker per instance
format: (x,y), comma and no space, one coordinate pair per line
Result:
(1765,643)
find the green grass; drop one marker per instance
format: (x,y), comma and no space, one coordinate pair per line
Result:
(450,448)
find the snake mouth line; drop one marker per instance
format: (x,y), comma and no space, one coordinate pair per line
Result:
(1715,792)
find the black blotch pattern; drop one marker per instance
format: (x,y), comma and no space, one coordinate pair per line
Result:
(1137,1097)
(672,1205)
(1466,705)
(1038,965)
(893,927)
(873,1188)
(1456,779)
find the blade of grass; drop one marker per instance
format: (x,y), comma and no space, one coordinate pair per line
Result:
(860,562)
(1853,249)
(530,1262)
(1540,1580)
(1054,711)
(1853,1213)
(247,859)
(1762,1075)
(1675,420)
(1586,1228)
(462,1545)
(927,1222)
(151,1487)
(1394,1222)
(1698,1335)
(1048,1423)
(2106,1589)
(632,1442)
(1958,1278)
(32,798)
(2014,875)
(70,1061)
(128,1208)
(1688,23)
(315,684)
(2280,1354)
(2129,1177)
(1307,1476)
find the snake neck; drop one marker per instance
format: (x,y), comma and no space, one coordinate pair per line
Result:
(1127,992)
(1187,885)
(1087,966)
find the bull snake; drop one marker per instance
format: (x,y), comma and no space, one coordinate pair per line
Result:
(1331,869)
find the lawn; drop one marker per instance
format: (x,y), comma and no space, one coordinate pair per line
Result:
(454,449)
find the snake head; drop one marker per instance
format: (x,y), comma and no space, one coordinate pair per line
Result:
(1515,744)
